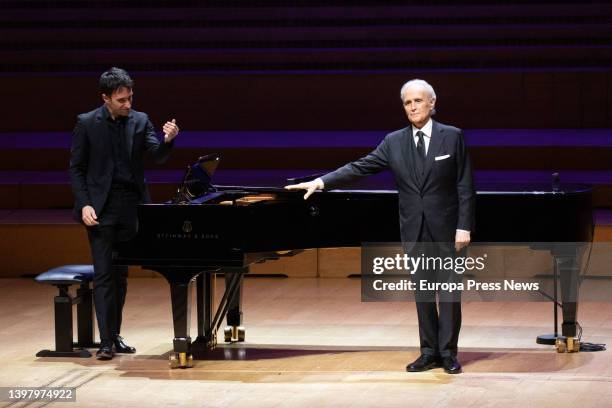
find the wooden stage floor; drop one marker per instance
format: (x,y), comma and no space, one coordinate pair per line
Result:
(311,343)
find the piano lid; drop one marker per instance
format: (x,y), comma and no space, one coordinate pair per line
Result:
(197,180)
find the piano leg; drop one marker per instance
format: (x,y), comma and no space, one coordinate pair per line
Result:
(235,332)
(567,260)
(569,273)
(180,295)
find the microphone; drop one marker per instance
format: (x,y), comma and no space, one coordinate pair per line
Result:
(556,183)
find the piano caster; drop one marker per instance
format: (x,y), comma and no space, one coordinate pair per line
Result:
(189,361)
(241,333)
(234,334)
(567,345)
(212,343)
(181,360)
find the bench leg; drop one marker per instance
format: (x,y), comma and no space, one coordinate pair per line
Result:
(63,328)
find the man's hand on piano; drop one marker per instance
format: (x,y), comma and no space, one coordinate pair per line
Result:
(462,239)
(310,187)
(170,131)
(89,217)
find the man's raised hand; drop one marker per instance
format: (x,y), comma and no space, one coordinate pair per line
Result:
(170,130)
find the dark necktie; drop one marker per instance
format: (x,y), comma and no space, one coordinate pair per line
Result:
(421,144)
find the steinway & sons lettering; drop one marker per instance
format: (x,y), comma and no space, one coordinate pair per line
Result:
(180,235)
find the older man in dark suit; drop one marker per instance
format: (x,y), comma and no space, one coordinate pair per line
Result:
(107,175)
(433,175)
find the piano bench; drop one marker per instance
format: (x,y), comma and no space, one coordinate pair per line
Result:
(63,277)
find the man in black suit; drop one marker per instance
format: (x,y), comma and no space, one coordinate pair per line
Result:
(433,175)
(107,176)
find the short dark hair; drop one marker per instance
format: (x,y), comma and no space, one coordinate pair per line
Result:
(113,79)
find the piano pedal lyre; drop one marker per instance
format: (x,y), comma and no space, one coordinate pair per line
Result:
(233,334)
(567,345)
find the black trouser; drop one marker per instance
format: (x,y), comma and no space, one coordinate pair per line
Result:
(118,222)
(439,323)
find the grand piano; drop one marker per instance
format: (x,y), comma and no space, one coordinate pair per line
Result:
(208,229)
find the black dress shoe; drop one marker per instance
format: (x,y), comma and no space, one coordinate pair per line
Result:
(122,347)
(423,363)
(451,365)
(105,352)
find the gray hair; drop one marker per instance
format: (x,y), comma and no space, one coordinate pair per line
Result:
(422,84)
(418,82)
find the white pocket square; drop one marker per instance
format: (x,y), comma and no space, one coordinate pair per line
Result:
(446,156)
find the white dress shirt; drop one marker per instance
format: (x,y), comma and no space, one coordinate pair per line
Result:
(426,131)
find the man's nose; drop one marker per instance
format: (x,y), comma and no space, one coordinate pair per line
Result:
(128,105)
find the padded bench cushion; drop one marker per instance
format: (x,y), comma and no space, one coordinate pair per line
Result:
(67,275)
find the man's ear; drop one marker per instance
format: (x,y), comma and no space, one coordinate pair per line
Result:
(105,98)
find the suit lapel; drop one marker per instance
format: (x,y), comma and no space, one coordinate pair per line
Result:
(99,114)
(408,155)
(437,139)
(129,134)
(106,139)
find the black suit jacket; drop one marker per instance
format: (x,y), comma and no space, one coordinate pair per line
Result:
(91,157)
(445,199)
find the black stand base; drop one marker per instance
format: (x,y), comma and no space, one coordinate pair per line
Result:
(74,353)
(548,339)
